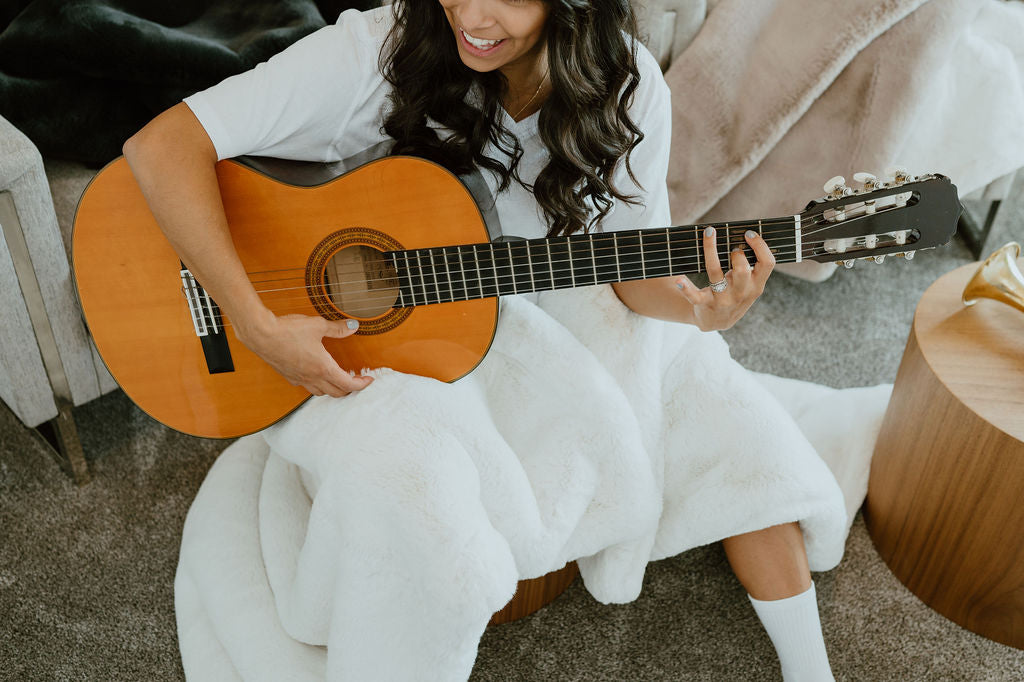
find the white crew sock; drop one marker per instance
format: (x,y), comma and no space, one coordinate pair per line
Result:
(795,629)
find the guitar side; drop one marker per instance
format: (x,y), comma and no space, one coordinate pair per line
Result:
(130,288)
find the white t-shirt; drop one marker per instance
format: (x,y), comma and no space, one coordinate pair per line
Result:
(323,99)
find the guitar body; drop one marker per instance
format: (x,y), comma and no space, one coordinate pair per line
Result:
(297,243)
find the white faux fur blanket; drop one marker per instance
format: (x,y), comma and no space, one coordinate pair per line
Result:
(372,537)
(774,97)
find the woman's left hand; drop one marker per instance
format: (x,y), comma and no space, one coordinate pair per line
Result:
(716,310)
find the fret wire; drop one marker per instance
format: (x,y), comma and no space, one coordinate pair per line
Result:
(423,278)
(511,267)
(448,274)
(408,275)
(551,262)
(643,261)
(462,270)
(398,277)
(529,263)
(494,267)
(696,245)
(668,247)
(572,268)
(479,277)
(593,259)
(615,244)
(433,268)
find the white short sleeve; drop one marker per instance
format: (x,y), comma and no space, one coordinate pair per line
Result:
(300,101)
(651,110)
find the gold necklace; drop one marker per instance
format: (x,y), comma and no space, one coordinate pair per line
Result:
(515,116)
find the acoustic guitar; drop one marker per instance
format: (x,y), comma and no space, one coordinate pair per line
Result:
(400,245)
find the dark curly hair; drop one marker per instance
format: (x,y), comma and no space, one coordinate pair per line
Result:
(584,123)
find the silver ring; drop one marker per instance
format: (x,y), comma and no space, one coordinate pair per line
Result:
(719,286)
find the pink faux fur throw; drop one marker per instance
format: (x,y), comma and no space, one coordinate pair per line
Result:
(774,97)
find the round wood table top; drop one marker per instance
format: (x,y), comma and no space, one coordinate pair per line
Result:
(976,351)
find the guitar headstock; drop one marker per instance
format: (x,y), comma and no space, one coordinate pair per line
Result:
(899,216)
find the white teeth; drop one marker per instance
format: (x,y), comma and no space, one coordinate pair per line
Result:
(476,42)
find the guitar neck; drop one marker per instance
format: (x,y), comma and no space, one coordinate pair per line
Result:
(468,271)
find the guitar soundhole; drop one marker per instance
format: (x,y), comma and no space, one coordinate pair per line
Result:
(361,282)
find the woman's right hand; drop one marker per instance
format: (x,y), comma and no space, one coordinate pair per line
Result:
(293,345)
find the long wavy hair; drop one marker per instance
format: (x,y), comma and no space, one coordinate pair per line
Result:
(584,123)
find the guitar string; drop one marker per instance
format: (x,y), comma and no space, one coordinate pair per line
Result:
(507,261)
(506,254)
(499,282)
(730,227)
(771,237)
(742,225)
(653,258)
(482,283)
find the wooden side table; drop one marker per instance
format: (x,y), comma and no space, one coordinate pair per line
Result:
(535,593)
(945,503)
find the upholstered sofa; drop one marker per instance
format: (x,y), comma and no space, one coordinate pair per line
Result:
(48,364)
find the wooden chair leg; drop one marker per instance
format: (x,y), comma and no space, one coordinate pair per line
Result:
(536,593)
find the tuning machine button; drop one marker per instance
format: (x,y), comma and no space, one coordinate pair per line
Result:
(878,259)
(836,188)
(866,179)
(909,255)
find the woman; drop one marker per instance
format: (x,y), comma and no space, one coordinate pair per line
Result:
(568,120)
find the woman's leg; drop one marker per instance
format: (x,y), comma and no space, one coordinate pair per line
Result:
(772,565)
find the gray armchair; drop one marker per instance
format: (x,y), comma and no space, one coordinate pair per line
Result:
(48,364)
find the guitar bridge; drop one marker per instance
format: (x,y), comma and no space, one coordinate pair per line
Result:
(208,323)
(200,305)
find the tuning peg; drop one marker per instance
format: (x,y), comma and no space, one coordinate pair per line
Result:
(866,179)
(848,264)
(878,259)
(836,188)
(909,255)
(898,174)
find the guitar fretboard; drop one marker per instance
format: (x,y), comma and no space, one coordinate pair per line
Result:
(469,271)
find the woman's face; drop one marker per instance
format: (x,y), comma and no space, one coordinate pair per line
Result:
(498,34)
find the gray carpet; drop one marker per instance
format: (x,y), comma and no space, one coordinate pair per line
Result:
(86,574)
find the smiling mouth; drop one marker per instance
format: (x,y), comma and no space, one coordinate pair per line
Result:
(479,44)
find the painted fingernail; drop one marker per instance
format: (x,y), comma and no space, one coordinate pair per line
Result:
(751,234)
(709,231)
(352,324)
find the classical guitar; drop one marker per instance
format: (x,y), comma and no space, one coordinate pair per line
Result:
(401,245)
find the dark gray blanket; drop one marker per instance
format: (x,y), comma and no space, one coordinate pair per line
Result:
(78,77)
